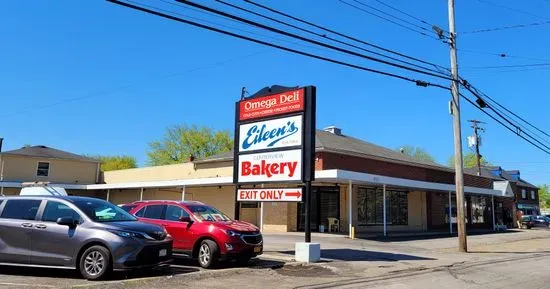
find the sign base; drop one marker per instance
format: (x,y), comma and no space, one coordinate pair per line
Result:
(308,252)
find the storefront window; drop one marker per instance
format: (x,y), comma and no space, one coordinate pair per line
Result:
(479,209)
(371,207)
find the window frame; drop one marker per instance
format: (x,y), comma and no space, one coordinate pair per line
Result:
(6,202)
(162,212)
(38,169)
(533,195)
(43,211)
(523,194)
(375,202)
(165,214)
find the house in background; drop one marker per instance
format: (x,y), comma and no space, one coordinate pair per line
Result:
(44,164)
(526,194)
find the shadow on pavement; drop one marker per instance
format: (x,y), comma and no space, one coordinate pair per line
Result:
(431,236)
(255,263)
(363,255)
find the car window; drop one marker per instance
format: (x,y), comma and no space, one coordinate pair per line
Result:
(21,209)
(102,211)
(141,212)
(174,213)
(128,208)
(56,210)
(206,213)
(153,212)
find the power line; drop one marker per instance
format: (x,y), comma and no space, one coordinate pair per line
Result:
(507,66)
(393,16)
(388,20)
(327,37)
(206,27)
(405,13)
(513,9)
(269,28)
(506,27)
(343,35)
(502,55)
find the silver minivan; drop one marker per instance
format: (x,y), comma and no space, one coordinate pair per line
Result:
(87,234)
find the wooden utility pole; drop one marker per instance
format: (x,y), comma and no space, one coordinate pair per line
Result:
(459,174)
(477,139)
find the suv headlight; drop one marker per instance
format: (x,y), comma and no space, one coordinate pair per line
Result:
(126,234)
(231,233)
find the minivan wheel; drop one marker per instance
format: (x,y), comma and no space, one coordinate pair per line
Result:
(208,252)
(95,263)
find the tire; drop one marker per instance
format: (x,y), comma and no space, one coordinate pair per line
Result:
(95,263)
(208,254)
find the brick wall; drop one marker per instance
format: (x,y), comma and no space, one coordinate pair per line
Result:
(517,189)
(329,161)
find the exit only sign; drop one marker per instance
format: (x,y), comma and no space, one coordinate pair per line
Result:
(270,195)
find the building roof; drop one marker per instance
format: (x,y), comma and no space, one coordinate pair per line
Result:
(41,151)
(486,171)
(329,142)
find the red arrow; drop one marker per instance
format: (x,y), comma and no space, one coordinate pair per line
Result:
(296,194)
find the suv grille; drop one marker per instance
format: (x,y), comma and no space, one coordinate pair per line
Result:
(160,235)
(252,239)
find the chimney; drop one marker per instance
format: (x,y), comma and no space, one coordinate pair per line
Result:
(333,130)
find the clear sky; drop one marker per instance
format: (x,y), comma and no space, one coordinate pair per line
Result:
(97,78)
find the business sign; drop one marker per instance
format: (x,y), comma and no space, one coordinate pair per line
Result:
(275,104)
(277,166)
(272,134)
(269,195)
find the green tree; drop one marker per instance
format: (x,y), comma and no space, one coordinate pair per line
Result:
(469,160)
(111,163)
(416,153)
(544,196)
(181,142)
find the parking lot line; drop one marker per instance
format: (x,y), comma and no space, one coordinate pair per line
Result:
(25,285)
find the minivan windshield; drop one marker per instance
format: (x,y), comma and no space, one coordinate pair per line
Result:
(206,213)
(102,211)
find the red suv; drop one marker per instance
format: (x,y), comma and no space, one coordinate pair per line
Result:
(201,231)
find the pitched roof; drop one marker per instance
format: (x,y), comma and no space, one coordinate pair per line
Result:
(41,151)
(329,142)
(485,172)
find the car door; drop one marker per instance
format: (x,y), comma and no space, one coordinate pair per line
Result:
(53,244)
(16,222)
(181,231)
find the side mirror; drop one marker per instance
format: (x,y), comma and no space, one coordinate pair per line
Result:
(186,219)
(67,221)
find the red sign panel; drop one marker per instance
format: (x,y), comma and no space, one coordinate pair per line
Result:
(286,102)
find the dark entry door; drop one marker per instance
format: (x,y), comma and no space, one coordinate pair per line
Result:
(325,204)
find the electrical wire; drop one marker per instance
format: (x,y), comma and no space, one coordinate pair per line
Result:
(344,35)
(394,17)
(389,20)
(405,13)
(506,27)
(502,55)
(506,66)
(282,32)
(513,9)
(327,37)
(221,31)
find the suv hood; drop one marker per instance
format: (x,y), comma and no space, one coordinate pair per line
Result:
(155,231)
(237,226)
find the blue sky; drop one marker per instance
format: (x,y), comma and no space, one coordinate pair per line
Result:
(96,78)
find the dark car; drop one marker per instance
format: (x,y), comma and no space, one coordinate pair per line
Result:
(541,221)
(87,234)
(201,231)
(527,222)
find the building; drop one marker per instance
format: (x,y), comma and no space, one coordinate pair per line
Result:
(374,189)
(44,164)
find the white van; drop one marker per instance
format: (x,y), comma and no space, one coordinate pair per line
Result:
(43,190)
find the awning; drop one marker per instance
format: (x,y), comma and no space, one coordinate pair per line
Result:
(528,207)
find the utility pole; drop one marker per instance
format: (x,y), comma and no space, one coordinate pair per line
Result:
(477,142)
(459,174)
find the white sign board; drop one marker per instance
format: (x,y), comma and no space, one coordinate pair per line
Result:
(270,195)
(271,134)
(270,167)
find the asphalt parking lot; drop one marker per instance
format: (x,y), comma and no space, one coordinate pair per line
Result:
(22,277)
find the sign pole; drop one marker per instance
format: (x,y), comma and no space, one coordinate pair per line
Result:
(308,212)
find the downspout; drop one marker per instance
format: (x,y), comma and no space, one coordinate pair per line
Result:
(1,175)
(97,173)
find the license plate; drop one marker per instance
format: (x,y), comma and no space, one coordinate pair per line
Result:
(257,249)
(162,253)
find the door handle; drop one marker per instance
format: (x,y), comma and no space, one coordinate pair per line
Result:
(26,225)
(40,226)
